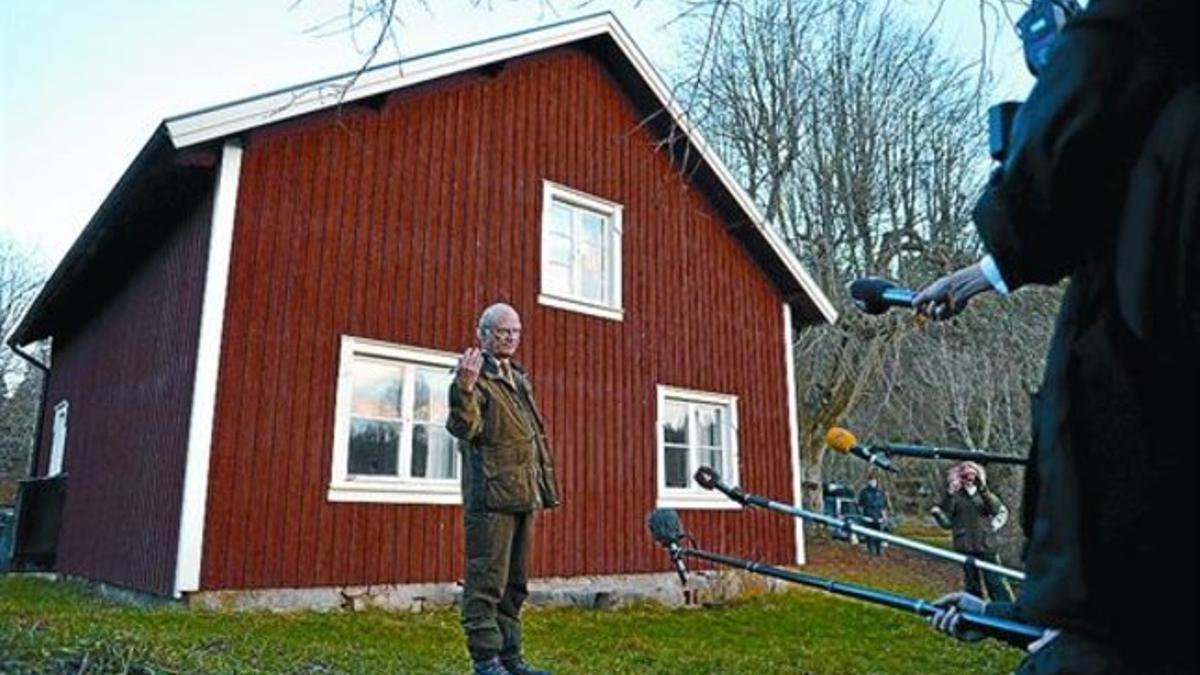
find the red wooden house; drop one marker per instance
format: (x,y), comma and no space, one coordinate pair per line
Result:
(251,338)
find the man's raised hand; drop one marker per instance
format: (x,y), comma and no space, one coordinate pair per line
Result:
(469,366)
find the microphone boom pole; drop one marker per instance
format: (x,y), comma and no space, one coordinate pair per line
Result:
(1012,632)
(709,479)
(934,452)
(665,528)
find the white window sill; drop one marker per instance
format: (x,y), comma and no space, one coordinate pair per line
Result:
(581,307)
(712,501)
(394,493)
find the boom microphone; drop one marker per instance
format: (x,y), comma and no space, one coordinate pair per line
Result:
(934,452)
(843,441)
(665,528)
(881,454)
(709,479)
(1017,634)
(873,295)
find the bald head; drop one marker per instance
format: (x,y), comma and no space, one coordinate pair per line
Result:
(500,330)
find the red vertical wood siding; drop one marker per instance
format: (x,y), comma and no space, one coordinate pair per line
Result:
(400,221)
(128,376)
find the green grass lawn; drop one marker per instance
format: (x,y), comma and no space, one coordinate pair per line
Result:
(61,627)
(926,534)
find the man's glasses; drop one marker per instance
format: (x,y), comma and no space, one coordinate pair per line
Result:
(505,332)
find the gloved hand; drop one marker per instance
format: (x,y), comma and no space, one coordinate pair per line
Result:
(939,516)
(952,607)
(999,519)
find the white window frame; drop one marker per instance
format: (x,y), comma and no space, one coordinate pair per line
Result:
(344,487)
(613,310)
(58,438)
(694,496)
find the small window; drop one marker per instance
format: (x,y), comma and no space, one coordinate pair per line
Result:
(581,252)
(695,429)
(58,439)
(390,439)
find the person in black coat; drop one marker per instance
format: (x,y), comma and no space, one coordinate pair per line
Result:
(1102,186)
(873,503)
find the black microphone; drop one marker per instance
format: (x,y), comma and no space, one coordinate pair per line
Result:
(873,295)
(665,528)
(708,478)
(843,441)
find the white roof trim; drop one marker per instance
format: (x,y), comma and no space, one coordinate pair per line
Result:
(232,118)
(205,125)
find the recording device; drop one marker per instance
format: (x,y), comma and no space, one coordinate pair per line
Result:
(665,528)
(1000,123)
(873,295)
(1038,28)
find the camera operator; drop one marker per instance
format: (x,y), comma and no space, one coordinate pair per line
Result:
(1101,184)
(973,513)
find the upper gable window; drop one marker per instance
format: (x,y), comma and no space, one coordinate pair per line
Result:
(581,252)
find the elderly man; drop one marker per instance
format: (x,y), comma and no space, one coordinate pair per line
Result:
(508,474)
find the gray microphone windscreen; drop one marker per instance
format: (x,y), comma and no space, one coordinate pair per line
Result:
(664,526)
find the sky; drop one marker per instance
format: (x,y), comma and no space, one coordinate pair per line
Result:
(83,84)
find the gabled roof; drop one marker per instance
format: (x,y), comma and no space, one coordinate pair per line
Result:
(191,136)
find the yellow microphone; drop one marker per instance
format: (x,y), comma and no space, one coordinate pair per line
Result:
(841,440)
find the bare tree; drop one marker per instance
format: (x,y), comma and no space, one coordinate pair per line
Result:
(863,143)
(21,275)
(372,24)
(375,27)
(967,384)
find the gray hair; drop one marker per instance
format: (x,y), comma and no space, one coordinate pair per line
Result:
(488,318)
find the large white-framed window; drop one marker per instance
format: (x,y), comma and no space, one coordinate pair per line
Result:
(390,442)
(58,438)
(695,429)
(581,252)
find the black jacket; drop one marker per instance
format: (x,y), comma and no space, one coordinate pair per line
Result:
(1115,421)
(969,518)
(873,502)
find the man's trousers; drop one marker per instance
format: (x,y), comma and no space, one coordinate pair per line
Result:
(496,584)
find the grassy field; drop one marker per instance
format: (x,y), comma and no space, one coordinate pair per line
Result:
(60,627)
